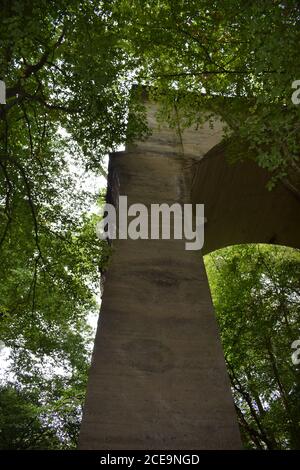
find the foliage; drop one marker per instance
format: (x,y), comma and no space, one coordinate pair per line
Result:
(42,415)
(232,58)
(255,290)
(69,67)
(24,429)
(66,108)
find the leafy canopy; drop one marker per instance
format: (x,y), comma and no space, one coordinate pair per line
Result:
(255,290)
(69,67)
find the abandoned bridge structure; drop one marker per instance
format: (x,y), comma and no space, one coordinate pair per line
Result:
(158,378)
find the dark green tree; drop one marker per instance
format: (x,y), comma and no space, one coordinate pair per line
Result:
(69,67)
(255,290)
(66,104)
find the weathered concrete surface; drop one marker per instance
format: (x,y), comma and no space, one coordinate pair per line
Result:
(238,206)
(158,378)
(192,143)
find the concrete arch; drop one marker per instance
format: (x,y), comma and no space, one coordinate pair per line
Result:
(238,206)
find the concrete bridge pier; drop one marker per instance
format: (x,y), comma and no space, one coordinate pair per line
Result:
(158,378)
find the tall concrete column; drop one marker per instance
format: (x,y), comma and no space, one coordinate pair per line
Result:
(158,378)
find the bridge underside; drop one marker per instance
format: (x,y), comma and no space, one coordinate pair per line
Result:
(238,206)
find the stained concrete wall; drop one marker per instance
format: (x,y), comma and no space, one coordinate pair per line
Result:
(158,378)
(238,206)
